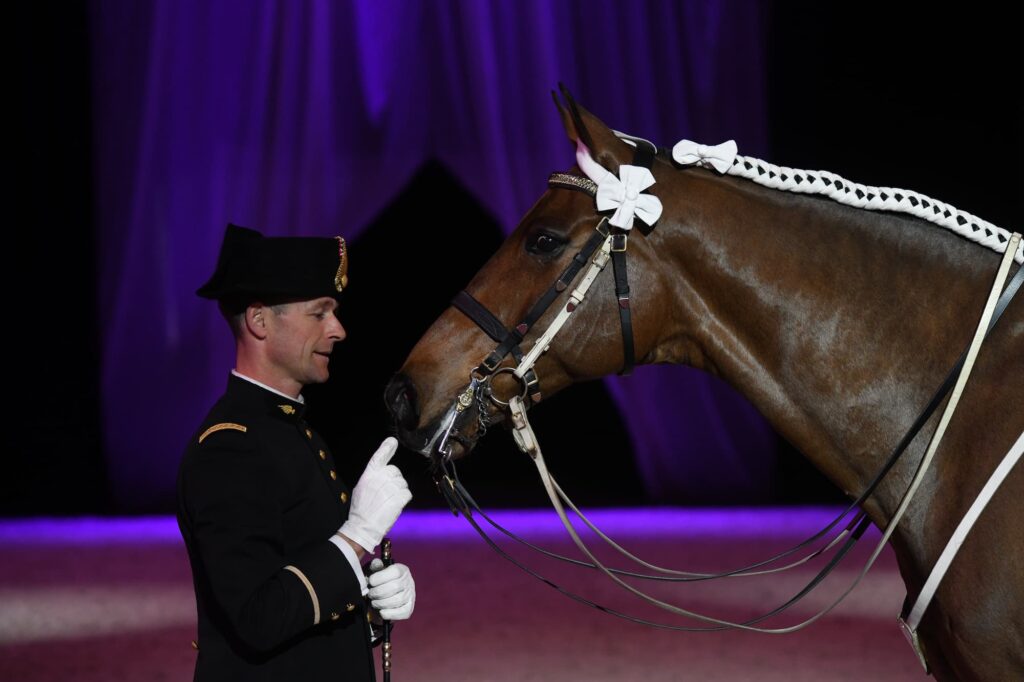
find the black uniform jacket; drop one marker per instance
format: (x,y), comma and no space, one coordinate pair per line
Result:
(258,500)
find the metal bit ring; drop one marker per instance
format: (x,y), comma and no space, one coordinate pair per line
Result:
(510,370)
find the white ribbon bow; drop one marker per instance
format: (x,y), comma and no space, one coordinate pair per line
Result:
(623,193)
(719,156)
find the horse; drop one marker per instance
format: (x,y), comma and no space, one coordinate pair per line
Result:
(837,323)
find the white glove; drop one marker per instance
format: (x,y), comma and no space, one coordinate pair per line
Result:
(377,500)
(392,590)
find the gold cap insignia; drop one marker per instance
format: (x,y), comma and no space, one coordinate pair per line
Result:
(341,277)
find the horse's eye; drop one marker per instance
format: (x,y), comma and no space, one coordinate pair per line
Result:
(544,244)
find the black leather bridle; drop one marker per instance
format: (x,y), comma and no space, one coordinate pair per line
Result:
(508,339)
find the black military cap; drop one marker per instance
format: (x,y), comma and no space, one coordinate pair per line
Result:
(252,266)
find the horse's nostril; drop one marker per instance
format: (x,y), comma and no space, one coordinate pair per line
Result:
(400,398)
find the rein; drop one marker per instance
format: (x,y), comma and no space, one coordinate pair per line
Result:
(610,242)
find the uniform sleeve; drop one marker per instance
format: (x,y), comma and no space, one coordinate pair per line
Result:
(235,520)
(353,561)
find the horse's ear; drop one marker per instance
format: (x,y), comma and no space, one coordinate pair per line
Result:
(567,122)
(581,125)
(575,120)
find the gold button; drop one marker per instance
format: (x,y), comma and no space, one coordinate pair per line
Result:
(334,476)
(309,434)
(343,497)
(195,645)
(350,607)
(334,616)
(323,455)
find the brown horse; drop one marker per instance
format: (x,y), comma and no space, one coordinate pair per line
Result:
(837,323)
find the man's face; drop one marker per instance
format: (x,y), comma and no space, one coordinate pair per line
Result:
(300,337)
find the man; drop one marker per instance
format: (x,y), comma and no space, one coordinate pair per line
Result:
(275,538)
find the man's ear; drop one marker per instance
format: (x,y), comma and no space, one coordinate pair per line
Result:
(256,320)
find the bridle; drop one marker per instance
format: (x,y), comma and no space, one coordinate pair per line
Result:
(608,242)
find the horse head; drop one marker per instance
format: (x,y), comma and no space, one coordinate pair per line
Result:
(424,396)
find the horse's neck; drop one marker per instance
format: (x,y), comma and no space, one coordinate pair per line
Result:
(837,323)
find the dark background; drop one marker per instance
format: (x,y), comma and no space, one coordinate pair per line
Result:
(913,81)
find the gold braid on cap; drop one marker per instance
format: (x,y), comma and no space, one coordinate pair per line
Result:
(341,277)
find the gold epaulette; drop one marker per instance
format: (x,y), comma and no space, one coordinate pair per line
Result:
(220,427)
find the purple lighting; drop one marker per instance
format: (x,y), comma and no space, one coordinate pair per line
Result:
(89,531)
(660,522)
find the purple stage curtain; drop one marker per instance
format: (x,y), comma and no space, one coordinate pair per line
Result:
(308,117)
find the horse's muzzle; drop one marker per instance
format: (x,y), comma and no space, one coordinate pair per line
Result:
(400,399)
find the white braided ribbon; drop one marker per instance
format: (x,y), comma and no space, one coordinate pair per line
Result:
(719,156)
(623,193)
(841,190)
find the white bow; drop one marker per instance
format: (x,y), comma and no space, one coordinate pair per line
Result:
(623,193)
(719,156)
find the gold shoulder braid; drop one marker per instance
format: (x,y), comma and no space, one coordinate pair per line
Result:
(221,427)
(341,277)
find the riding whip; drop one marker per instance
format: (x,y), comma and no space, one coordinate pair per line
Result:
(385,551)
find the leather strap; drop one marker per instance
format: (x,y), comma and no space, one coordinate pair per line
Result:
(478,312)
(461,502)
(912,619)
(643,155)
(509,339)
(622,297)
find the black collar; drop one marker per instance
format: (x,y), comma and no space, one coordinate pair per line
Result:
(258,397)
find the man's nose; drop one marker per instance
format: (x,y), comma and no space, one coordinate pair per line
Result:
(337,331)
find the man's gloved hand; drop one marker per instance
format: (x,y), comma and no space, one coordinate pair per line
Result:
(377,500)
(392,590)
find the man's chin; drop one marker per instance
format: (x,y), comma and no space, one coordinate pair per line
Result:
(316,376)
(320,371)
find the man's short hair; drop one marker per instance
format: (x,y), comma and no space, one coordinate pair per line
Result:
(234,312)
